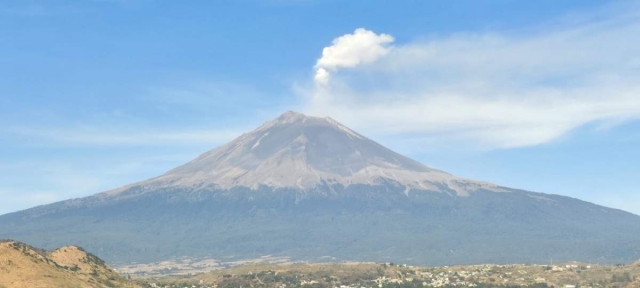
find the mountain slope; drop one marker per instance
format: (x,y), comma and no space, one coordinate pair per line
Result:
(24,266)
(311,188)
(298,151)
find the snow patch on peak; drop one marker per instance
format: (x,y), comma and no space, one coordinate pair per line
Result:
(258,142)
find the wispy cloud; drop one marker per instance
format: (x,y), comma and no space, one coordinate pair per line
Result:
(16,200)
(495,89)
(217,96)
(133,137)
(72,177)
(55,182)
(183,115)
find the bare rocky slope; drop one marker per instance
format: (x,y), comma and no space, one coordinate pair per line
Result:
(312,189)
(302,152)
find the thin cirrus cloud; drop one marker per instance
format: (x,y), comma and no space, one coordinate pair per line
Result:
(26,199)
(499,90)
(71,177)
(142,137)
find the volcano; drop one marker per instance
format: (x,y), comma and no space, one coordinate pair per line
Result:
(310,188)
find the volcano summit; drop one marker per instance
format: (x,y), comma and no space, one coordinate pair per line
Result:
(301,152)
(311,188)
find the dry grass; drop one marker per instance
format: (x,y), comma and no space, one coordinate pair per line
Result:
(25,266)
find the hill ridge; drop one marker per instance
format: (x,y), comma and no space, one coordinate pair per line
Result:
(22,265)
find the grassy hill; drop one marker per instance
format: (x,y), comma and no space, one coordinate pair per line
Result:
(24,266)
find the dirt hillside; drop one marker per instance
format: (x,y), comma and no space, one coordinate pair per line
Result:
(24,266)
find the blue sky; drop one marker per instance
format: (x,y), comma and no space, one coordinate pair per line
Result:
(538,95)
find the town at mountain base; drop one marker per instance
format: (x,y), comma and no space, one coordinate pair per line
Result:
(71,267)
(390,275)
(312,189)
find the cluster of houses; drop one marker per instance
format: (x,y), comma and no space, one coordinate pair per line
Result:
(467,276)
